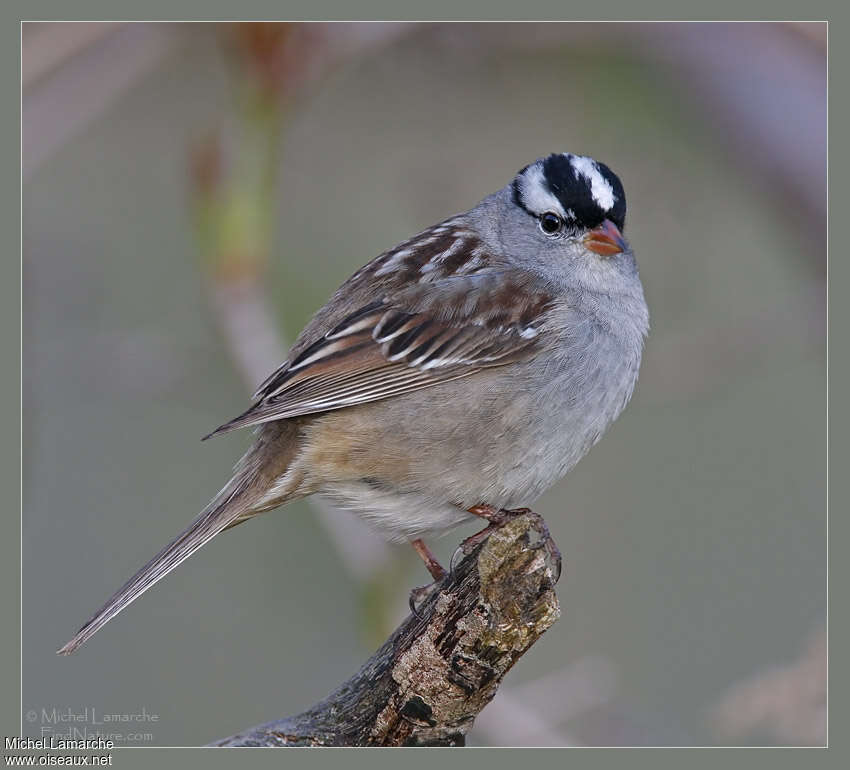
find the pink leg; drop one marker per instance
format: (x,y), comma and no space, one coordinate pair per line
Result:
(431,563)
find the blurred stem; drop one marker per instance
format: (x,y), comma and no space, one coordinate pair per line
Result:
(235,217)
(235,193)
(248,216)
(234,204)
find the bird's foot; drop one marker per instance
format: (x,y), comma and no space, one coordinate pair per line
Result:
(498,517)
(418,596)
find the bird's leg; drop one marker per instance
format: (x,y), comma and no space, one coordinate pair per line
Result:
(431,563)
(496,516)
(492,515)
(418,595)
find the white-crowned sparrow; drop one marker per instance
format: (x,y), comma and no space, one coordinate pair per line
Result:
(469,367)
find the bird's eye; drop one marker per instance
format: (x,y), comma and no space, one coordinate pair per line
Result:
(550,222)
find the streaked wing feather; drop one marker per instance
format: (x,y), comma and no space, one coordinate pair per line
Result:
(419,334)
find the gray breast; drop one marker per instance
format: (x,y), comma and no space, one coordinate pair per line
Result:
(505,435)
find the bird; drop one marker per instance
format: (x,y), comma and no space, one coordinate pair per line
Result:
(457,375)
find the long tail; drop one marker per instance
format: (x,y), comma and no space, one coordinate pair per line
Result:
(236,501)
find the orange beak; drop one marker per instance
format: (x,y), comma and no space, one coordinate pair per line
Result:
(605,240)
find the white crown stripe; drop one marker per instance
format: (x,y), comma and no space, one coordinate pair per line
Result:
(535,192)
(600,187)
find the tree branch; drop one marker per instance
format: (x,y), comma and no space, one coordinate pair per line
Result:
(441,666)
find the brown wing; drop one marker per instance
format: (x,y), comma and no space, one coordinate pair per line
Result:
(450,323)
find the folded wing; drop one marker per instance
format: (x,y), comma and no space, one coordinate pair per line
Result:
(415,338)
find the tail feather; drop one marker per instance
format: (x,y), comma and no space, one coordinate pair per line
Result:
(268,458)
(212,520)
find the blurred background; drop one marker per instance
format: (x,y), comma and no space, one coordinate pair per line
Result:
(193,193)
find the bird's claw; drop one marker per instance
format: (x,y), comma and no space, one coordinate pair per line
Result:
(418,597)
(498,518)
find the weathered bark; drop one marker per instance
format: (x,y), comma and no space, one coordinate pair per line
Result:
(435,673)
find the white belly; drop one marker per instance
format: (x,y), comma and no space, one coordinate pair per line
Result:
(395,515)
